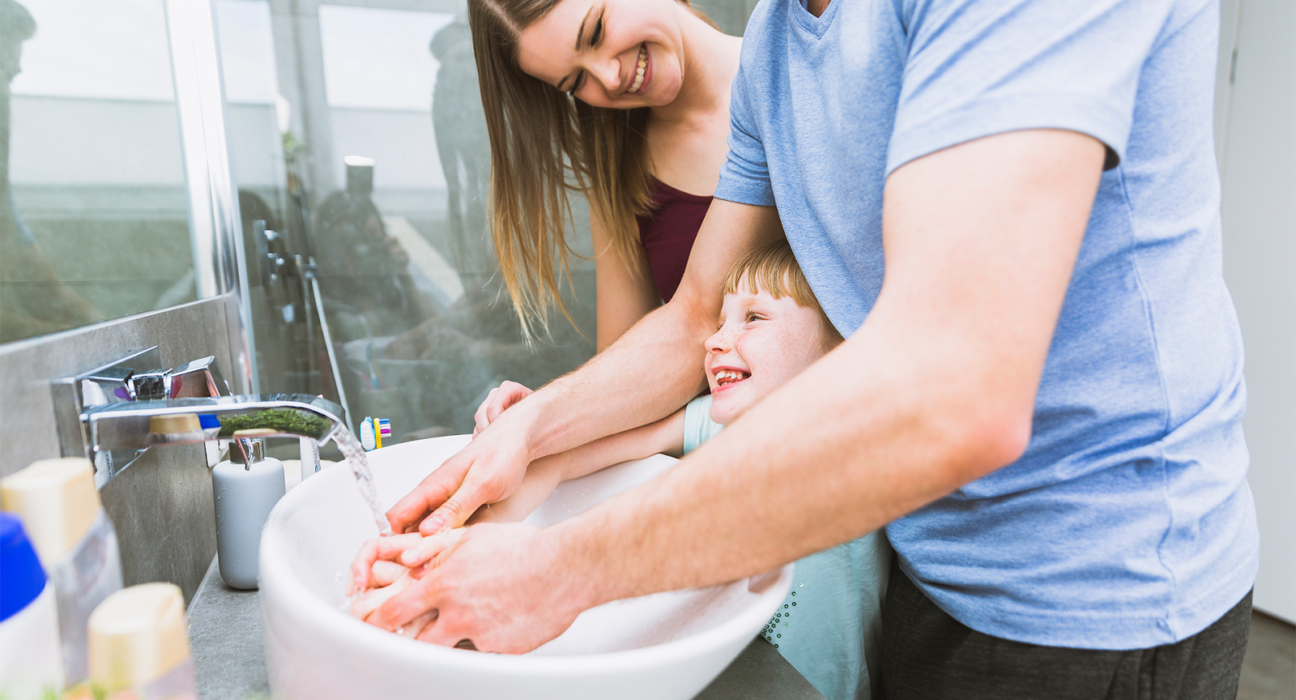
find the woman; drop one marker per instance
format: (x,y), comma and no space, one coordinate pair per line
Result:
(624,101)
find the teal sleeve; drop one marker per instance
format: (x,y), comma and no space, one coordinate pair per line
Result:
(698,426)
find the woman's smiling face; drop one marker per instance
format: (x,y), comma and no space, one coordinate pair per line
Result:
(762,343)
(608,53)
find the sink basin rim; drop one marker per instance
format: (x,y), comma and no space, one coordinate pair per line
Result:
(321,614)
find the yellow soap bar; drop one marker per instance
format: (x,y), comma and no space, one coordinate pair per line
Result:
(57,501)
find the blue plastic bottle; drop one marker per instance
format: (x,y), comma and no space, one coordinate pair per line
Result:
(31,661)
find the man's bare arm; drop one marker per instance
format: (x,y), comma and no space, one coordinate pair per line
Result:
(936,389)
(655,368)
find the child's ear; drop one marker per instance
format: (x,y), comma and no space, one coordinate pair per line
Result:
(829,338)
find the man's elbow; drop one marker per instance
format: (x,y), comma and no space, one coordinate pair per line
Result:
(987,439)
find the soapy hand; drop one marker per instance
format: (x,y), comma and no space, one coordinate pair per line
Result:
(365,604)
(383,560)
(498,401)
(375,578)
(498,585)
(487,470)
(365,568)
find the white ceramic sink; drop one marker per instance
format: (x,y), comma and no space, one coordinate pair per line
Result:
(658,647)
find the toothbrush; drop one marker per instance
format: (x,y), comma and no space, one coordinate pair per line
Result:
(368,439)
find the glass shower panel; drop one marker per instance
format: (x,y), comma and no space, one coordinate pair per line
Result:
(359,148)
(94,212)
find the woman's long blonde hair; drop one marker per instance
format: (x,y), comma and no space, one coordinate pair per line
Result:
(544,145)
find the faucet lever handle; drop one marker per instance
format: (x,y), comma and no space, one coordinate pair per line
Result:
(147,386)
(212,383)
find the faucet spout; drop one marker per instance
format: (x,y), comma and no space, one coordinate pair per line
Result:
(136,425)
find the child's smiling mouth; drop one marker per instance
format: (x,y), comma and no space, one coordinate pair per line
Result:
(726,377)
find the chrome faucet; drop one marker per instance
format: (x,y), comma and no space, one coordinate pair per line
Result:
(112,413)
(135,425)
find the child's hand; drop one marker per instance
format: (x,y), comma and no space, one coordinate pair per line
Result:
(385,573)
(430,551)
(382,560)
(376,578)
(367,602)
(382,549)
(500,399)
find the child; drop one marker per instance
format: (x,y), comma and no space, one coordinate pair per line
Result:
(771,328)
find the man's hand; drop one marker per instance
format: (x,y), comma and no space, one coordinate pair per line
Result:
(500,586)
(487,470)
(498,401)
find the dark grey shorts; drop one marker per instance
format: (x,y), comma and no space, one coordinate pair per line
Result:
(928,655)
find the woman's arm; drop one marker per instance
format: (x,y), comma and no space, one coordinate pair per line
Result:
(543,475)
(626,291)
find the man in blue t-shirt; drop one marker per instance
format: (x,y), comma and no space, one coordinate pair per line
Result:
(1011,210)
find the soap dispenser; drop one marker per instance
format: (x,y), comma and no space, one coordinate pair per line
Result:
(246,488)
(60,508)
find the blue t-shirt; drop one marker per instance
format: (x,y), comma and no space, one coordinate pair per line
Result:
(1128,522)
(830,624)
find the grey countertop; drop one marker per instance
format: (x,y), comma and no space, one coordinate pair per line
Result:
(225,634)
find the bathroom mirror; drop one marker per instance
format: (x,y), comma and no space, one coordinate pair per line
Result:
(359,148)
(95,214)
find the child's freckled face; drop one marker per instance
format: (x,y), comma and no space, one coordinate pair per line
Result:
(762,343)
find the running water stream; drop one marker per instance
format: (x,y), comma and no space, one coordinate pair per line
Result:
(356,458)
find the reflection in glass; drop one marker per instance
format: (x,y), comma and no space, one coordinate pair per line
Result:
(380,173)
(360,143)
(93,208)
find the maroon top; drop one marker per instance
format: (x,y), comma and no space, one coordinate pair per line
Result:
(667,234)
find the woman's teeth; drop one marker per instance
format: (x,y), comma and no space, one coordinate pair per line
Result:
(639,72)
(729,376)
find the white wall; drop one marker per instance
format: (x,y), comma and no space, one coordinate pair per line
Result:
(94,141)
(256,151)
(1258,167)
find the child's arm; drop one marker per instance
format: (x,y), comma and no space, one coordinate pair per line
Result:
(544,475)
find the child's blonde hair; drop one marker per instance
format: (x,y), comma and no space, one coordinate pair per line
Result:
(774,269)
